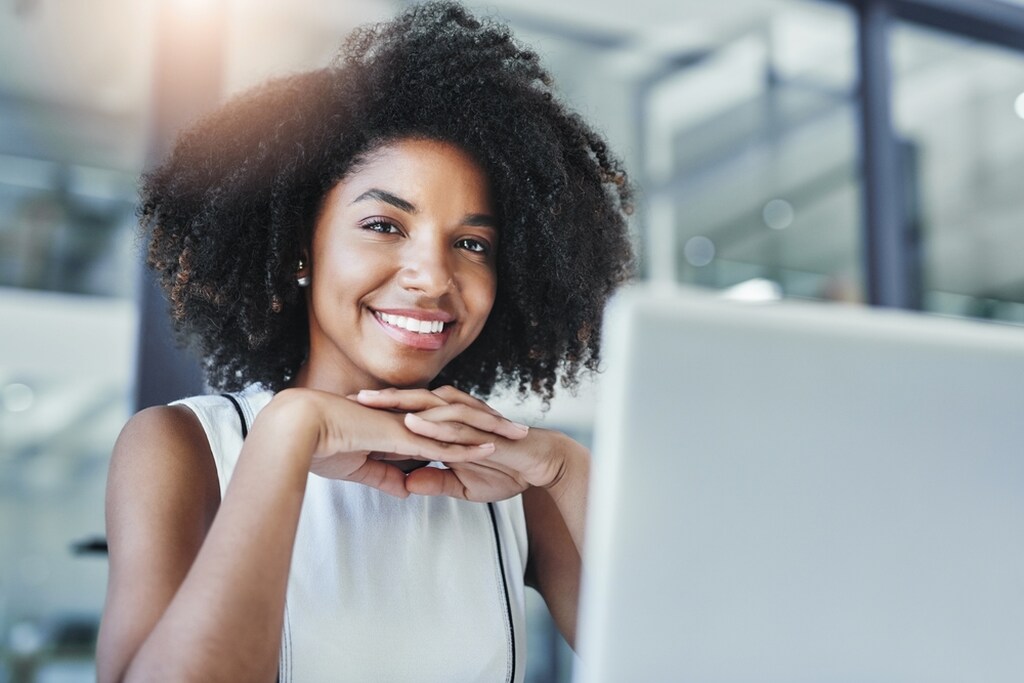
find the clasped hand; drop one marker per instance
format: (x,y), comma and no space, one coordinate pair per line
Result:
(486,456)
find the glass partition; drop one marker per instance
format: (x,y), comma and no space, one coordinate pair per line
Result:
(761,177)
(959,106)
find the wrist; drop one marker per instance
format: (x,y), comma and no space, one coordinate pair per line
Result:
(573,465)
(292,421)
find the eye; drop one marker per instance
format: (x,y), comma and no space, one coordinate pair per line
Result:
(380,225)
(476,246)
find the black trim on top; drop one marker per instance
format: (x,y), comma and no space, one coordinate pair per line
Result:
(504,585)
(241,415)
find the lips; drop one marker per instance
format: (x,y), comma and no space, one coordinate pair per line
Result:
(424,330)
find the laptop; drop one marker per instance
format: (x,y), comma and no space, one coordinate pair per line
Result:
(793,492)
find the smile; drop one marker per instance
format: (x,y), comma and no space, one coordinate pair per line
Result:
(411,324)
(416,332)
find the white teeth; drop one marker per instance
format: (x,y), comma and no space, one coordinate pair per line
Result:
(412,324)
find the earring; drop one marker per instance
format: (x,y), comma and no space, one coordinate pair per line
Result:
(302,280)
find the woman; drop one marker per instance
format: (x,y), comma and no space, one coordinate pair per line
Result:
(360,252)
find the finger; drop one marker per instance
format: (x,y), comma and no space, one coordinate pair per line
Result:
(393,457)
(400,461)
(433,481)
(383,476)
(471,417)
(447,432)
(420,446)
(407,400)
(452,395)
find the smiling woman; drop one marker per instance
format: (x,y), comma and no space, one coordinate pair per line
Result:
(385,268)
(361,254)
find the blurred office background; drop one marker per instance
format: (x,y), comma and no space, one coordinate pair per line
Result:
(851,151)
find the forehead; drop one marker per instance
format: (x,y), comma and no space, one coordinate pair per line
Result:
(428,170)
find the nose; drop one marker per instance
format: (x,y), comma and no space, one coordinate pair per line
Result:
(427,268)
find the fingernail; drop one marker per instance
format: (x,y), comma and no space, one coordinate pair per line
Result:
(522,427)
(486,447)
(368,393)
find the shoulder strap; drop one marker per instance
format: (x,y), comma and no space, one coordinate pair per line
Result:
(241,415)
(245,433)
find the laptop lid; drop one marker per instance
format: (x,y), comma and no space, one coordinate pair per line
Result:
(804,492)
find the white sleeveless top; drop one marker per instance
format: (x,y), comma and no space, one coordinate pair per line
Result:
(383,589)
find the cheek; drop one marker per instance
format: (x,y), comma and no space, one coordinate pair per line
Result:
(483,293)
(351,272)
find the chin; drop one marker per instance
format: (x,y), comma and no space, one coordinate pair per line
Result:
(407,378)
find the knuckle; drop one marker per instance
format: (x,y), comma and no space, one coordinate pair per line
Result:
(445,391)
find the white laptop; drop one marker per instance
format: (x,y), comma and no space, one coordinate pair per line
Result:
(798,492)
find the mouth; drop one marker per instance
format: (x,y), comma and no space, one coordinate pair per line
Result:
(418,329)
(410,324)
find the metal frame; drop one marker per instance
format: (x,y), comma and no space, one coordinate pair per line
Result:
(886,248)
(990,21)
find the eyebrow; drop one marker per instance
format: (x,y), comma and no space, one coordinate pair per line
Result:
(387,198)
(475,219)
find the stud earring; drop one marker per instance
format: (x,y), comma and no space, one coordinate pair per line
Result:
(302,280)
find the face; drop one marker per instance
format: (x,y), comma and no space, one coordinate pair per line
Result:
(402,267)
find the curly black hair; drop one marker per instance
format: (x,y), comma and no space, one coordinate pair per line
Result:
(229,212)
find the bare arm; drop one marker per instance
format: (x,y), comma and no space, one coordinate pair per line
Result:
(555,520)
(192,596)
(197,588)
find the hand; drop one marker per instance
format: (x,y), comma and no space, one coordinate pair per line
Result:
(522,457)
(356,443)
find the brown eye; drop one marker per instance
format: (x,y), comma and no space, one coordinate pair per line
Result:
(473,245)
(382,226)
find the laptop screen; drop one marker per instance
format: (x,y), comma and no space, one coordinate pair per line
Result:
(804,492)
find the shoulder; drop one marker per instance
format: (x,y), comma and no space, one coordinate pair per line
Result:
(162,496)
(172,423)
(153,435)
(162,457)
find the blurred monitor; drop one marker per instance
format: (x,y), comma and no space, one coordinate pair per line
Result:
(795,492)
